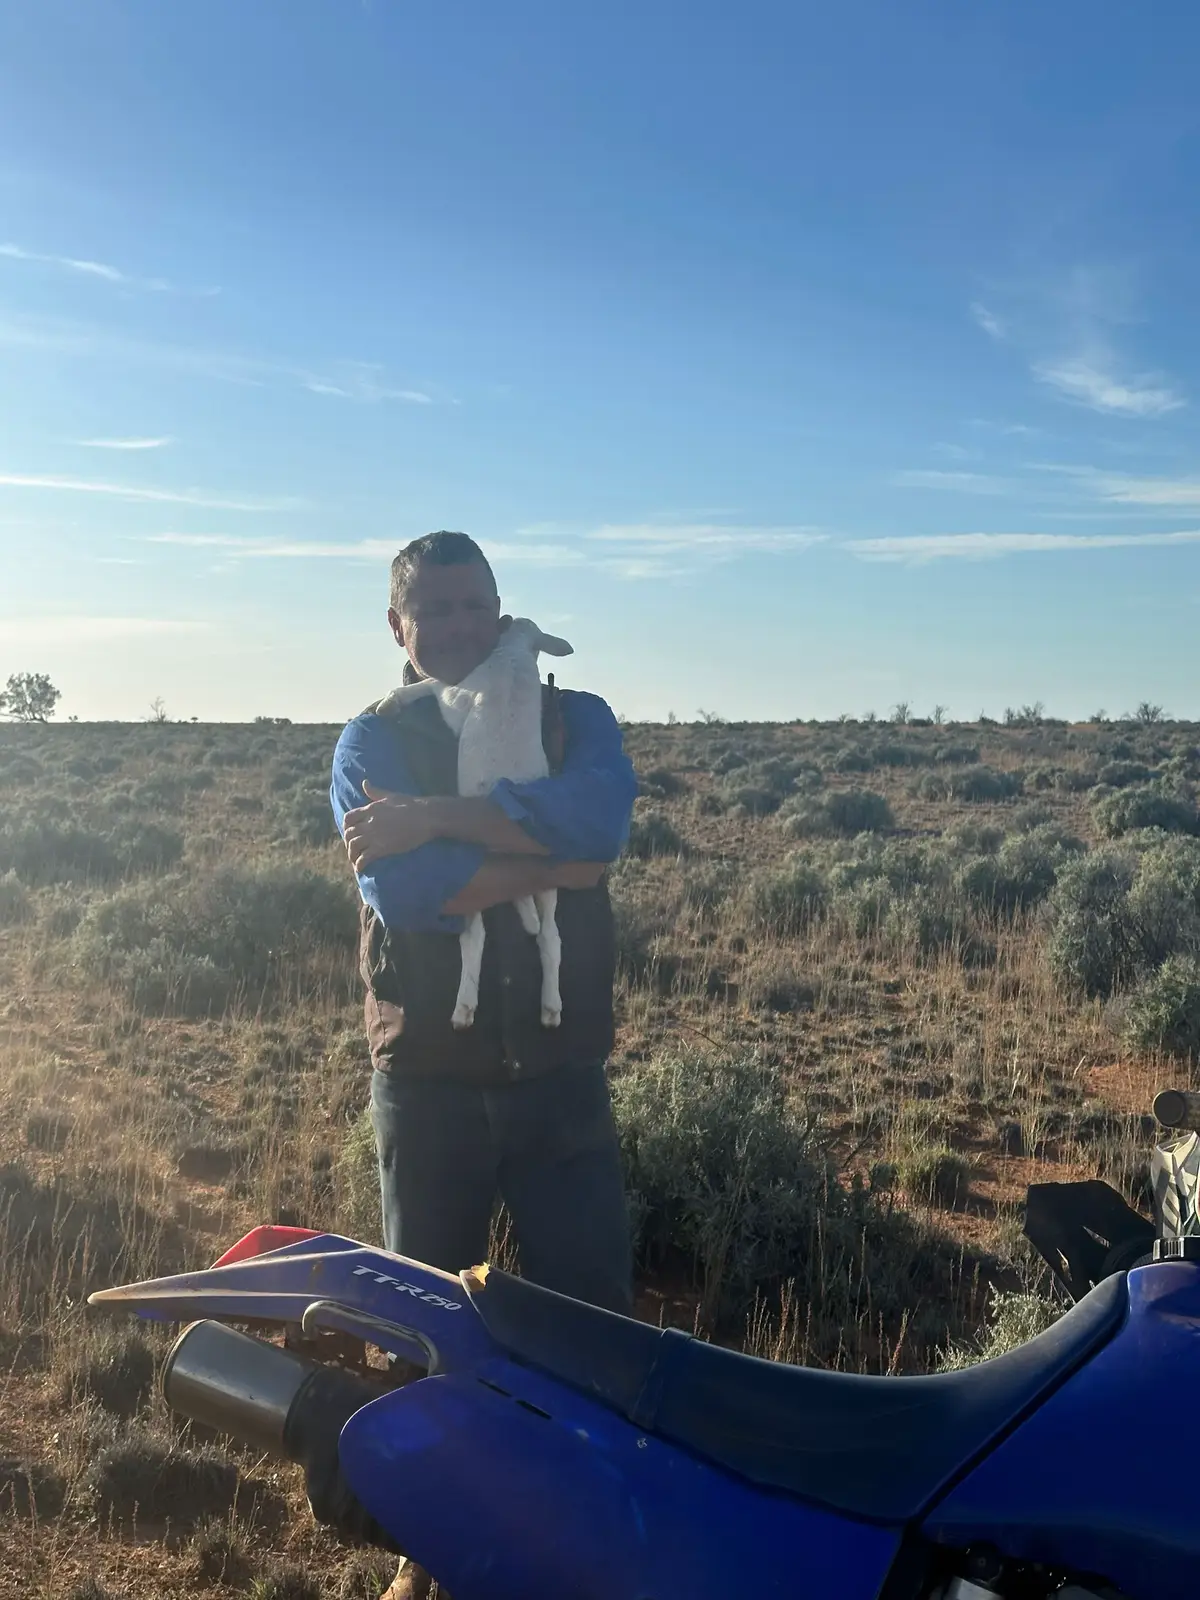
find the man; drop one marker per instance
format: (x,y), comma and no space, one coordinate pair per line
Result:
(506,1107)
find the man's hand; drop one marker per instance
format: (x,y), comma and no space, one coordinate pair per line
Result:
(389,825)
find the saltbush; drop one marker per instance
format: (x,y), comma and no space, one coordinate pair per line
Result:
(1164,1010)
(783,901)
(729,1181)
(15,904)
(1128,810)
(837,813)
(1094,944)
(652,833)
(1021,873)
(193,943)
(1014,1317)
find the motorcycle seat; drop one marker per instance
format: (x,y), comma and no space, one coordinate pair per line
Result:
(876,1448)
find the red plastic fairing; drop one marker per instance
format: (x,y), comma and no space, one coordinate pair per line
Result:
(259,1241)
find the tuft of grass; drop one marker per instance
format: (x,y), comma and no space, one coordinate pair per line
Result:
(142,1476)
(221,1554)
(651,833)
(286,1582)
(16,904)
(90,1588)
(935,1174)
(118,1373)
(365,1576)
(30,1489)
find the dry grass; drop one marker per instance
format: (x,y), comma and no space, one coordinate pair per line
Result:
(156,1102)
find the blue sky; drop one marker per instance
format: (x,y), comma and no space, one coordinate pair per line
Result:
(790,359)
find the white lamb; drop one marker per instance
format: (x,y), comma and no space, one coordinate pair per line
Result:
(497,713)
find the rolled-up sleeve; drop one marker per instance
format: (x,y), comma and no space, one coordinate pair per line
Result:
(581,813)
(406,891)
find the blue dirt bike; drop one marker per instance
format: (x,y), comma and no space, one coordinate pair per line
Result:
(549,1451)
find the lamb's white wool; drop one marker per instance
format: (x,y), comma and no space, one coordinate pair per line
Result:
(497,714)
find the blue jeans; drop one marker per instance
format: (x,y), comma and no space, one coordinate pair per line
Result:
(547,1146)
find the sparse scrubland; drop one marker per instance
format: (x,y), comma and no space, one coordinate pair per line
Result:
(873,979)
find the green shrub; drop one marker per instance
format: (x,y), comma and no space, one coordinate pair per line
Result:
(853,758)
(193,943)
(975,784)
(1121,774)
(935,1174)
(306,816)
(783,901)
(1094,944)
(1164,1011)
(1014,1317)
(1147,806)
(707,887)
(652,833)
(1022,872)
(957,755)
(838,813)
(15,904)
(64,849)
(729,1182)
(660,783)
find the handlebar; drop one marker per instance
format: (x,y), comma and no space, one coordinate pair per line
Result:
(1178,1108)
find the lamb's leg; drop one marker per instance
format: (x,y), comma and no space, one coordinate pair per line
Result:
(527,910)
(550,950)
(470,944)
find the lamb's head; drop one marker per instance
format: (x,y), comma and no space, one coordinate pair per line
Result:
(522,635)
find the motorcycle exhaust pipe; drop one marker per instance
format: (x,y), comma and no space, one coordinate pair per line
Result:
(1178,1109)
(271,1399)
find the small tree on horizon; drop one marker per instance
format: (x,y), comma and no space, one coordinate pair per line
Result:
(29,697)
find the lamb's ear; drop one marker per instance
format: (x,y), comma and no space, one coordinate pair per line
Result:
(549,645)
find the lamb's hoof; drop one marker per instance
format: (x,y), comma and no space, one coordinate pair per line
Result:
(464,1017)
(551,1018)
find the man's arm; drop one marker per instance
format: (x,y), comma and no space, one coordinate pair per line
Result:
(504,878)
(413,878)
(581,813)
(408,890)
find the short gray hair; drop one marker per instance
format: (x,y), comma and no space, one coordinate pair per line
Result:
(443,549)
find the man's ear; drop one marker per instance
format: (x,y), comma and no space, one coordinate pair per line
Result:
(397,626)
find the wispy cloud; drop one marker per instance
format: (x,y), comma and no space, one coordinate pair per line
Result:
(136,493)
(1126,489)
(919,549)
(628,550)
(98,269)
(87,629)
(363,381)
(962,482)
(1071,326)
(125,444)
(251,549)
(988,321)
(711,539)
(1092,382)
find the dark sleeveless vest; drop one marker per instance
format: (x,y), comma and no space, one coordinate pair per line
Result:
(412,978)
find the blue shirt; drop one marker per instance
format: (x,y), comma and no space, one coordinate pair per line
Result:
(579,814)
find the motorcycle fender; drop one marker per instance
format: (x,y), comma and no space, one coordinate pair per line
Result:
(508,1486)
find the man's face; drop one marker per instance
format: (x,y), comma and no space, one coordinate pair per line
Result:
(451,620)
